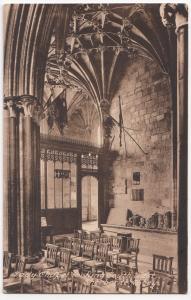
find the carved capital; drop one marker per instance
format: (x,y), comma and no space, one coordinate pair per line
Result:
(174,15)
(10,103)
(31,107)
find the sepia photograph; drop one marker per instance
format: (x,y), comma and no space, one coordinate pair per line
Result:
(95,148)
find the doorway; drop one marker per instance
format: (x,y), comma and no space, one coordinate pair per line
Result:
(89,203)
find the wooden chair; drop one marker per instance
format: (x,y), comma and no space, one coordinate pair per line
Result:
(105,239)
(161,276)
(162,264)
(129,257)
(49,261)
(81,234)
(79,285)
(76,247)
(125,282)
(114,250)
(87,254)
(158,284)
(59,273)
(100,259)
(15,281)
(65,242)
(7,260)
(95,236)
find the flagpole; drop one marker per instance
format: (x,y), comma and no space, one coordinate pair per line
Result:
(122,128)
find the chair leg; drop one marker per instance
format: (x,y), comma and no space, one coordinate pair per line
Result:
(22,283)
(41,285)
(93,271)
(82,268)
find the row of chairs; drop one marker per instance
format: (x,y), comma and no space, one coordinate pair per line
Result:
(76,254)
(115,254)
(59,260)
(17,265)
(160,281)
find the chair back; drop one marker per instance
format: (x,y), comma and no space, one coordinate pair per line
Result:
(20,263)
(80,286)
(132,245)
(126,281)
(51,254)
(76,233)
(81,234)
(162,264)
(158,284)
(64,259)
(64,242)
(95,236)
(7,259)
(88,248)
(116,243)
(85,235)
(76,246)
(67,243)
(105,239)
(101,252)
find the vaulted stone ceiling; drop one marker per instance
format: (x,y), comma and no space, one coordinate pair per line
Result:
(91,44)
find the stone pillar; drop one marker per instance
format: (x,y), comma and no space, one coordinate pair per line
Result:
(79,191)
(102,182)
(177,14)
(22,175)
(5,176)
(21,183)
(182,159)
(104,164)
(11,185)
(31,176)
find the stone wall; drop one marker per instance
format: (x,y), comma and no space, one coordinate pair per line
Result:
(146,105)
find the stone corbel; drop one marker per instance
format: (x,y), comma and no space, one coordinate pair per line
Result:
(105,105)
(173,15)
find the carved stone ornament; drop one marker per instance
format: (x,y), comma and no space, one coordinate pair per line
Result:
(105,105)
(31,107)
(28,105)
(10,103)
(174,15)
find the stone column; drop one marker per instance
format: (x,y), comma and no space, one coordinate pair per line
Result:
(104,164)
(31,176)
(10,103)
(5,176)
(79,191)
(101,189)
(177,14)
(21,183)
(182,151)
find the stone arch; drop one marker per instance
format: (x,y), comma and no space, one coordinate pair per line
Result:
(29,28)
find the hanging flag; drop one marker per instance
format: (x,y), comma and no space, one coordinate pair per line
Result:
(57,112)
(60,109)
(50,113)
